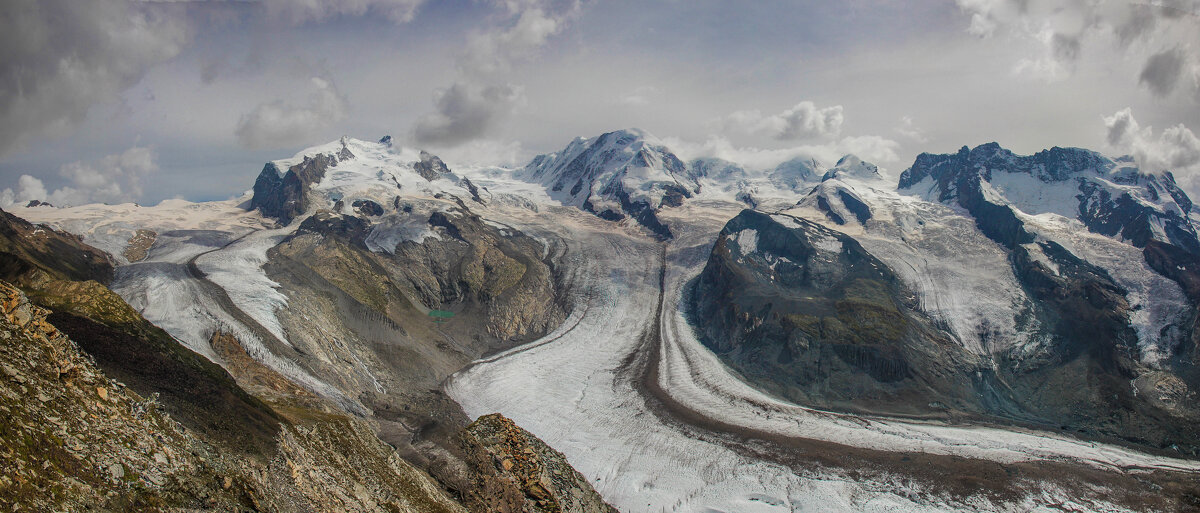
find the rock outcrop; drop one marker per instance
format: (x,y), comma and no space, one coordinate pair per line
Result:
(519,473)
(811,315)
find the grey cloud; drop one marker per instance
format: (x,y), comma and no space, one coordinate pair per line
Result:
(1121,127)
(1141,21)
(1065,48)
(1162,71)
(62,57)
(305,11)
(464,112)
(803,121)
(279,124)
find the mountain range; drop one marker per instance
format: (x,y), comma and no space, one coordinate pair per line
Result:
(993,332)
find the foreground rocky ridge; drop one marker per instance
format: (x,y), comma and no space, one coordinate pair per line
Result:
(296,451)
(77,440)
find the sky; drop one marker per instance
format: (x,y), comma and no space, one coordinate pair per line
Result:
(131,100)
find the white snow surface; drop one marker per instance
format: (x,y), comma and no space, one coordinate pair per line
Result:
(747,241)
(109,227)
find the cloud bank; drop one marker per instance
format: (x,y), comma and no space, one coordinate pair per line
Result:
(278,124)
(803,121)
(112,179)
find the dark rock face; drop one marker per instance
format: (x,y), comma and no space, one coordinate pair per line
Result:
(837,329)
(430,167)
(367,207)
(809,314)
(473,189)
(285,197)
(838,203)
(640,211)
(25,248)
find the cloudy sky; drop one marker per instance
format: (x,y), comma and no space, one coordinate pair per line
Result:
(118,100)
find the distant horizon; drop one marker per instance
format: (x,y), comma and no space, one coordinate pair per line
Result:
(118,100)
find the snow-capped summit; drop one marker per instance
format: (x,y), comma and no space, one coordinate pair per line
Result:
(796,173)
(626,173)
(853,167)
(340,173)
(837,196)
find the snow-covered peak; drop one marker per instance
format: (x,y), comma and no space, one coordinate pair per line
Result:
(617,174)
(797,173)
(341,174)
(850,166)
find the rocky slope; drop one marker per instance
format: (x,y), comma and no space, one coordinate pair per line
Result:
(545,482)
(77,440)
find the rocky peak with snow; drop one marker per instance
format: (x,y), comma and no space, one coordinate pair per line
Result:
(1113,198)
(430,166)
(617,175)
(837,196)
(347,176)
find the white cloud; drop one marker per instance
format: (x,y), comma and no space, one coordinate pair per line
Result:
(909,129)
(871,148)
(1175,149)
(112,179)
(527,26)
(62,57)
(802,121)
(278,124)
